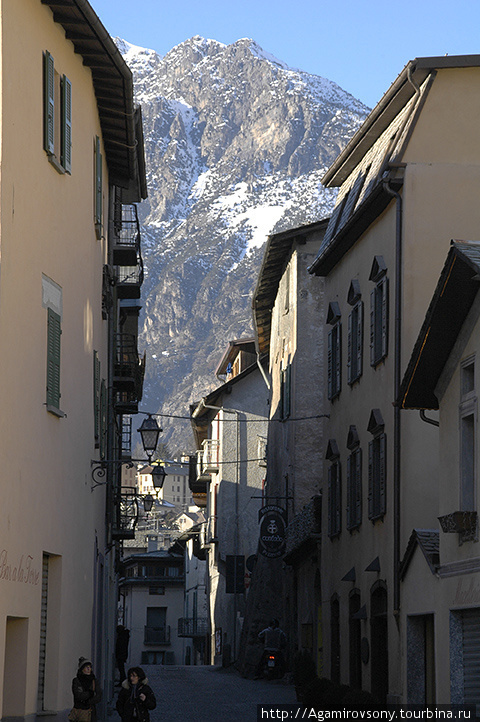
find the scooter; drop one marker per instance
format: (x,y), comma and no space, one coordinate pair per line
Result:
(273,664)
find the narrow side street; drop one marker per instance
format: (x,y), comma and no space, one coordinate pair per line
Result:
(209,694)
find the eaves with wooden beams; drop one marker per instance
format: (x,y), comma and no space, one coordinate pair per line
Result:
(120,121)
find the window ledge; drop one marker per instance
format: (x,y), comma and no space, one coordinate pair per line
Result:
(52,159)
(56,412)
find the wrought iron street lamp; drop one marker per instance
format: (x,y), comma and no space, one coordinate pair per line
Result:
(158,476)
(149,431)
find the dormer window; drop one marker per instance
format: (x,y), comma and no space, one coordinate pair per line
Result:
(378,312)
(334,351)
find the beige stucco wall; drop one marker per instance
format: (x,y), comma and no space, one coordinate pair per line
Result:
(440,202)
(47,228)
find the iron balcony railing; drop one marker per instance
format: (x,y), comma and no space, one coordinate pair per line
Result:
(209,455)
(126,514)
(126,236)
(192,627)
(157,635)
(129,373)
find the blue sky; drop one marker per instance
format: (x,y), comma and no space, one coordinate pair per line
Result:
(360,44)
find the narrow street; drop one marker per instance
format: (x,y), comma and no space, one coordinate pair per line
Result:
(209,694)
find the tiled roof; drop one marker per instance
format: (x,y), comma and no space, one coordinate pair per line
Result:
(452,300)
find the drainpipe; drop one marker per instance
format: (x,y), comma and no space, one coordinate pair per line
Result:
(396,409)
(398,367)
(425,418)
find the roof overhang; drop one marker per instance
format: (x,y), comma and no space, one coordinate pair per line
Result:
(121,123)
(396,97)
(454,296)
(375,203)
(277,253)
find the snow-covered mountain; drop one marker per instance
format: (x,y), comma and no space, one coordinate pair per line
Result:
(236,144)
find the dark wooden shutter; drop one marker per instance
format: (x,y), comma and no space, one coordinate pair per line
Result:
(338,499)
(330,364)
(53,359)
(98,188)
(288,378)
(350,480)
(371,478)
(382,474)
(338,359)
(372,327)
(103,419)
(96,397)
(358,486)
(383,288)
(48,103)
(358,350)
(66,133)
(350,347)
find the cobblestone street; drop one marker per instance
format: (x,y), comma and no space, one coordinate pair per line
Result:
(209,694)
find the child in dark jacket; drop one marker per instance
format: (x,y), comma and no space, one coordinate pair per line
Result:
(135,698)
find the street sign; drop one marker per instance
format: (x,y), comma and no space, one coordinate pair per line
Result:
(273,526)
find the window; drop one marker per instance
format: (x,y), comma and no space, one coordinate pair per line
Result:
(334,351)
(378,312)
(377,469)
(354,480)
(57,112)
(355,334)
(468,412)
(334,490)
(53,360)
(52,302)
(98,164)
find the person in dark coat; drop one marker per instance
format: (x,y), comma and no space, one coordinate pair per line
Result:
(121,650)
(135,698)
(86,689)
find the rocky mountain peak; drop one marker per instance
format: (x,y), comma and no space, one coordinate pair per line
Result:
(236,144)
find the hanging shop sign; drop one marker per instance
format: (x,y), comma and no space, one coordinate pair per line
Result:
(273,527)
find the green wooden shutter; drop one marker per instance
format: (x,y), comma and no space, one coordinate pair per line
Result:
(48,103)
(53,359)
(66,134)
(98,188)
